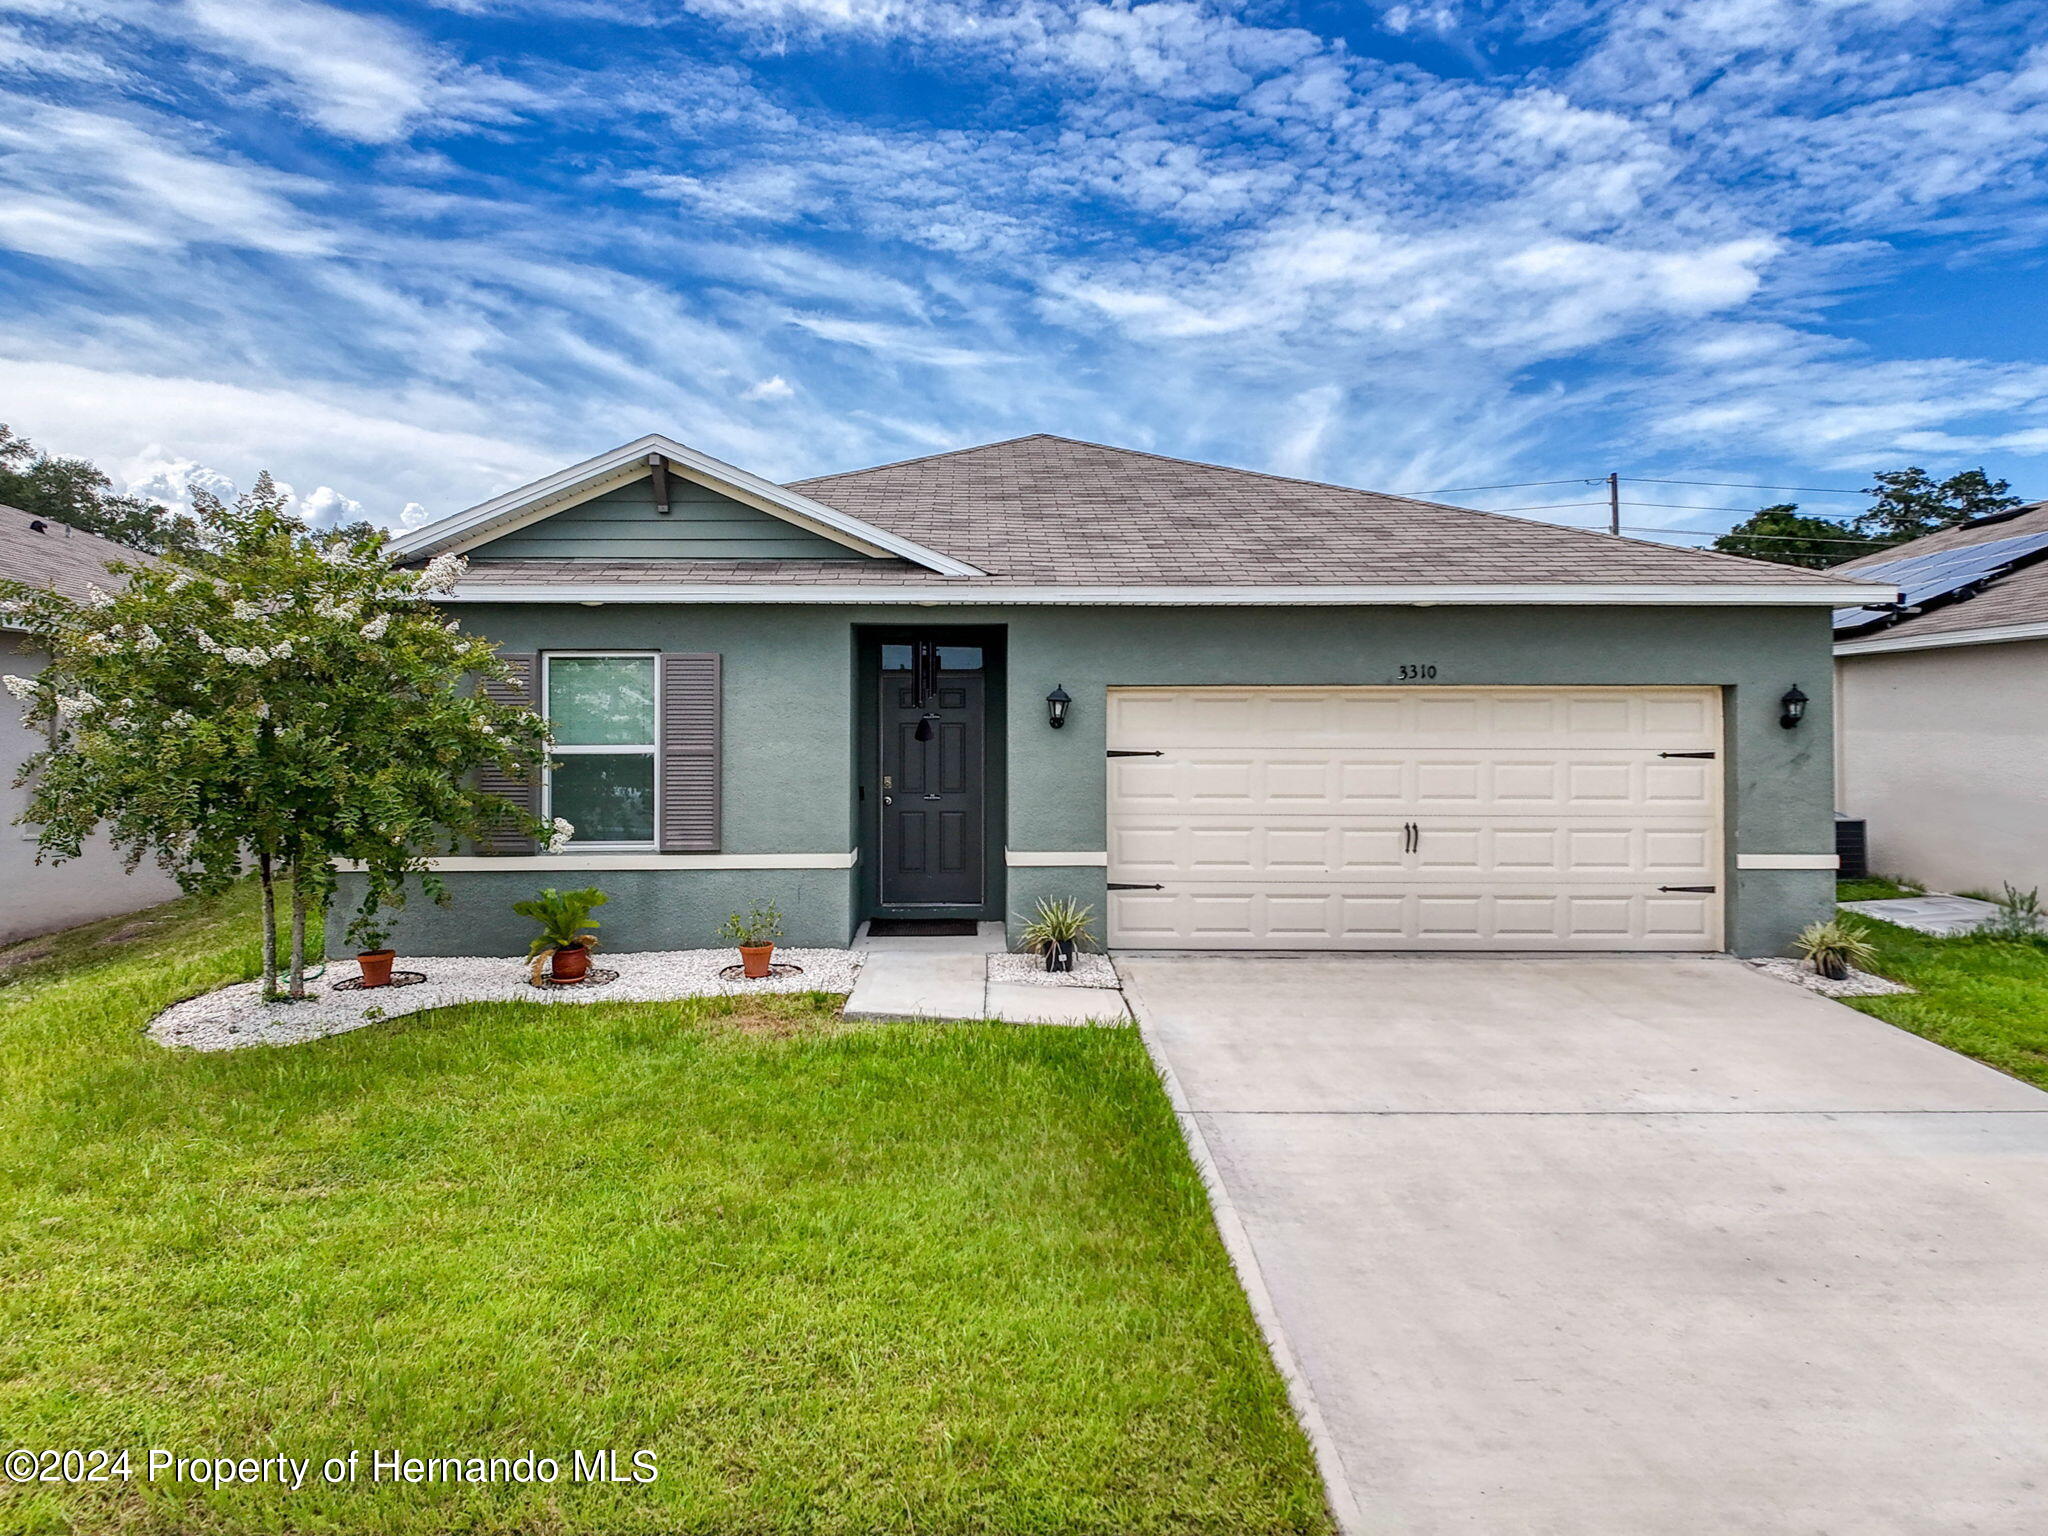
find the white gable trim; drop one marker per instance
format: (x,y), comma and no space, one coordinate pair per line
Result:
(1990,634)
(626,463)
(1418,594)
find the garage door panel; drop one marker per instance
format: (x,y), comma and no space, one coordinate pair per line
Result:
(1292,918)
(1368,780)
(1199,846)
(1425,817)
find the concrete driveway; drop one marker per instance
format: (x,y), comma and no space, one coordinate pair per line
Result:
(1643,1245)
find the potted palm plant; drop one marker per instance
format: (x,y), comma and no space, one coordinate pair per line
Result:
(565,940)
(1834,947)
(370,938)
(754,934)
(1060,924)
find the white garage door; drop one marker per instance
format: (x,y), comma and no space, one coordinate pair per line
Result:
(1415,818)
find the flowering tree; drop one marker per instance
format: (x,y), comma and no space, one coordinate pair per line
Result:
(295,705)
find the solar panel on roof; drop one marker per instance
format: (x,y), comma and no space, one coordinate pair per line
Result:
(1923,578)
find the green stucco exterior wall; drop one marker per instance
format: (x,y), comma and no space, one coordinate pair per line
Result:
(789,779)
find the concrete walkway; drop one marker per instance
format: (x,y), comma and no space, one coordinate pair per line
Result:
(1648,1246)
(947,979)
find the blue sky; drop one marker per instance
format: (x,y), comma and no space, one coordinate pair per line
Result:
(409,255)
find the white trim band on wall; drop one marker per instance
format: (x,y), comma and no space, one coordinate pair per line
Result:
(467,863)
(1787,861)
(1020,860)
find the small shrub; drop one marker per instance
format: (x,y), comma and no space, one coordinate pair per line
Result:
(2019,916)
(564,918)
(760,924)
(1834,948)
(1059,921)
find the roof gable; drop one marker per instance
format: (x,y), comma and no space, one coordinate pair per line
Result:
(695,523)
(518,509)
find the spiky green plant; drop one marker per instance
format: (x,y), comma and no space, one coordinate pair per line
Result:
(1834,947)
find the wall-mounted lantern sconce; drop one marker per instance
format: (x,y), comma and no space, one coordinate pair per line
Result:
(1056,704)
(1792,707)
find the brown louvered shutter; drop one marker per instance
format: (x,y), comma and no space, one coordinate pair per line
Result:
(518,689)
(689,752)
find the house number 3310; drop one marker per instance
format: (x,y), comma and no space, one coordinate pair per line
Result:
(1417,671)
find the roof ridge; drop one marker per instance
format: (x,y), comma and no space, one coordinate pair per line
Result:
(922,458)
(1715,555)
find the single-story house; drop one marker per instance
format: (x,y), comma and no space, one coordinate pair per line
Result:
(1942,712)
(1227,710)
(37,898)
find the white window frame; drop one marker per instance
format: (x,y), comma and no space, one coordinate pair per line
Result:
(653,751)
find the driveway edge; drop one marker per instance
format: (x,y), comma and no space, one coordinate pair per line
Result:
(1338,1493)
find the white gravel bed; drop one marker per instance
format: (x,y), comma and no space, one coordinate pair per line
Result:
(1089,971)
(237,1016)
(1855,984)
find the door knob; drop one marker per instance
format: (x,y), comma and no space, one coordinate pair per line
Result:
(888,799)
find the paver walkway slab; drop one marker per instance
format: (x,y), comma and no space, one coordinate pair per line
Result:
(1649,1246)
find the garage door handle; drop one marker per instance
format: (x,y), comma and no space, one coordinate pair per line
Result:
(1685,754)
(1704,890)
(1113,752)
(1117,885)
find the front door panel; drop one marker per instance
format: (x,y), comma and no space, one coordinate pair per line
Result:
(932,802)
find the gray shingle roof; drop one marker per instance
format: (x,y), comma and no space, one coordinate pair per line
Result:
(1052,509)
(59,557)
(2020,597)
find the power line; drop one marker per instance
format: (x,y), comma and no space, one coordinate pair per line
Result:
(1774,538)
(1745,485)
(1518,485)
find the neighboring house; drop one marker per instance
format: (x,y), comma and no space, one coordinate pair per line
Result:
(1942,706)
(1297,716)
(35,898)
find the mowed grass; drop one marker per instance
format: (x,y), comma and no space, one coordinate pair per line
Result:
(1984,997)
(837,1278)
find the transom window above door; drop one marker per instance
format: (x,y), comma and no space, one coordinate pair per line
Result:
(602,707)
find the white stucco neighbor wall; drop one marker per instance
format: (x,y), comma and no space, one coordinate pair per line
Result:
(1945,753)
(36,898)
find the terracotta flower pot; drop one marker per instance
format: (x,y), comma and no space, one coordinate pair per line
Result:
(571,964)
(755,960)
(376,965)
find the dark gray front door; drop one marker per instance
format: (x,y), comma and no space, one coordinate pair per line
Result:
(933,719)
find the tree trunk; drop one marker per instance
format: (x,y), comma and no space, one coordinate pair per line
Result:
(298,971)
(265,876)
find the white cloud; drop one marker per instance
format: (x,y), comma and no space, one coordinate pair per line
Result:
(774,387)
(356,75)
(90,186)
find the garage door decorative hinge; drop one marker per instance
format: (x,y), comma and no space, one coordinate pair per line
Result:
(1685,754)
(1115,752)
(1704,890)
(1118,885)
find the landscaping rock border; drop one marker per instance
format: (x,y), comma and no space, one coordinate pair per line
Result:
(235,1017)
(1029,970)
(1856,984)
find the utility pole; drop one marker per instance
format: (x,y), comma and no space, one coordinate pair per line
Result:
(1614,505)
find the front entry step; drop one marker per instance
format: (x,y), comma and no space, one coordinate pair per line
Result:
(907,984)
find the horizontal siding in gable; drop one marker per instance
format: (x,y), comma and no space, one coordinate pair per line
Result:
(700,525)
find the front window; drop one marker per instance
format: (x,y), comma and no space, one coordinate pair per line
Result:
(602,710)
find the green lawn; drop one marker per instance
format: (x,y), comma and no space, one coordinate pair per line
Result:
(1873,888)
(1985,998)
(838,1278)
